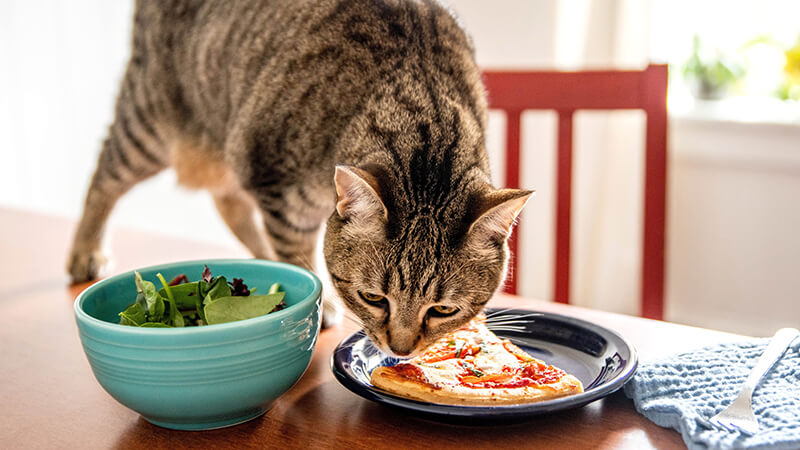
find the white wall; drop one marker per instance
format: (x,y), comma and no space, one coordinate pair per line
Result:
(60,70)
(734,222)
(61,67)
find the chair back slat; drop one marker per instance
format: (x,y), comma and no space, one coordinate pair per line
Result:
(654,91)
(563,207)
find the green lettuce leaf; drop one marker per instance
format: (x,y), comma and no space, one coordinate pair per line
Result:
(230,308)
(184,294)
(175,317)
(133,315)
(149,299)
(155,325)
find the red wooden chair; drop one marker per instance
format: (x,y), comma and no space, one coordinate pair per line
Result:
(566,92)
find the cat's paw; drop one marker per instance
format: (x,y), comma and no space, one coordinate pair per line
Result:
(331,312)
(86,265)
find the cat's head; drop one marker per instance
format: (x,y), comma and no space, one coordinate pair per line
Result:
(412,276)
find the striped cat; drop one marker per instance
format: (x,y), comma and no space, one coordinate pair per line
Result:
(369,114)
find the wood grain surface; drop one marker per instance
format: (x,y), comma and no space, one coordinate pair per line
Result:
(50,399)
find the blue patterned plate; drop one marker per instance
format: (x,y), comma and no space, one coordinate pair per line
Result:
(597,356)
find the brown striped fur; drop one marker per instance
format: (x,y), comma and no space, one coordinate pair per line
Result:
(369,114)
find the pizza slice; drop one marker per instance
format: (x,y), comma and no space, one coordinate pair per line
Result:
(472,366)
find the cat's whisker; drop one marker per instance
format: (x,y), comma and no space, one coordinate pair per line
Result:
(456,271)
(466,291)
(510,318)
(377,255)
(505,324)
(506,320)
(500,316)
(498,312)
(453,273)
(350,314)
(506,328)
(351,317)
(510,327)
(355,322)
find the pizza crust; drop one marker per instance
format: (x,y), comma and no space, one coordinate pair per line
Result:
(385,378)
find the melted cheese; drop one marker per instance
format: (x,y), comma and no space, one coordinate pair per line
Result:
(493,357)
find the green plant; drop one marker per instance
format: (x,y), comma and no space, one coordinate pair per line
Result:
(790,89)
(710,75)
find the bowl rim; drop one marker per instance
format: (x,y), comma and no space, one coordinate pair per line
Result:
(83,316)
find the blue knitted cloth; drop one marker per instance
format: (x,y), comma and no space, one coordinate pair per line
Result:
(675,391)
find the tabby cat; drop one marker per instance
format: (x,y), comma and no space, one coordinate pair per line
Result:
(367,113)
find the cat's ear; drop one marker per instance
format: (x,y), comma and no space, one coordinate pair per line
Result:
(500,210)
(358,198)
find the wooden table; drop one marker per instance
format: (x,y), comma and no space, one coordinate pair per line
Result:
(50,399)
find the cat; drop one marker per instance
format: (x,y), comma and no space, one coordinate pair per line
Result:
(369,114)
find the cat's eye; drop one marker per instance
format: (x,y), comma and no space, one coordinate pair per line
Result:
(442,311)
(372,298)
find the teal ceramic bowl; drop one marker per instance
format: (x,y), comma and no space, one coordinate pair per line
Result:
(199,378)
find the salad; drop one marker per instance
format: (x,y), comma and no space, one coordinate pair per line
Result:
(209,301)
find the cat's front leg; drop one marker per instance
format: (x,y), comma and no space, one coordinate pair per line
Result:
(239,211)
(293,233)
(298,247)
(122,163)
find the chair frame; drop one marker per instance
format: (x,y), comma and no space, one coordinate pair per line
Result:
(566,92)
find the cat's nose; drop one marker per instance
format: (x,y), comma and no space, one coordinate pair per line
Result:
(401,348)
(402,340)
(400,352)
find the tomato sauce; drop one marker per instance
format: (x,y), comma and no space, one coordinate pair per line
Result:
(410,371)
(529,375)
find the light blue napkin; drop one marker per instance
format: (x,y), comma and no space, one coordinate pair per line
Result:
(676,391)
